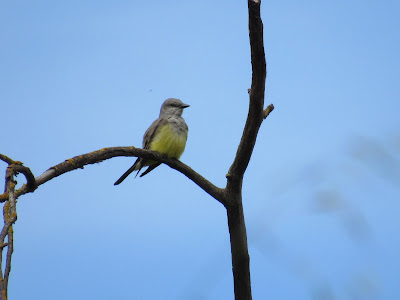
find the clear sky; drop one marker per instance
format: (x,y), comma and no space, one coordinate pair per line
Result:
(321,193)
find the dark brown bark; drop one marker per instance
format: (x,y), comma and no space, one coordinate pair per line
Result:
(239,251)
(256,114)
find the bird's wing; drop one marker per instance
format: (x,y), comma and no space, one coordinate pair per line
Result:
(147,139)
(152,131)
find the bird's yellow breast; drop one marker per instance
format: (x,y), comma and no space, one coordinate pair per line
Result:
(169,141)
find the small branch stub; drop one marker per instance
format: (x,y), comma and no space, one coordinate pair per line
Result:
(268,110)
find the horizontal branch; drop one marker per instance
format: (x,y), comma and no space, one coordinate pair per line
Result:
(78,162)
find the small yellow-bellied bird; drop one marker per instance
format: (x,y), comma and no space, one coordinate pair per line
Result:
(167,135)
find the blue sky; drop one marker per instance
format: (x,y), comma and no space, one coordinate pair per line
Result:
(321,193)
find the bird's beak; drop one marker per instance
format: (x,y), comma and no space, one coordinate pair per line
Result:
(185,105)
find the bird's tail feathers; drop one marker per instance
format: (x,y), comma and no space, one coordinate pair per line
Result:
(149,169)
(129,171)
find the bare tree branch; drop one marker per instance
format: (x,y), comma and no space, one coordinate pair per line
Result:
(256,114)
(268,110)
(16,167)
(78,162)
(6,159)
(30,179)
(10,216)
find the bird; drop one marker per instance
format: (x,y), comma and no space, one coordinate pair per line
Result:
(167,135)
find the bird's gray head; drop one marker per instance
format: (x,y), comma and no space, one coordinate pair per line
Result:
(172,106)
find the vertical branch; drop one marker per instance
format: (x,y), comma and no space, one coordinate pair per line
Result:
(239,250)
(256,114)
(10,216)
